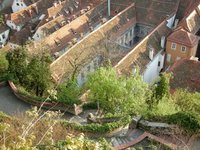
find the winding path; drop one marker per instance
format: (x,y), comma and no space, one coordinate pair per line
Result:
(10,104)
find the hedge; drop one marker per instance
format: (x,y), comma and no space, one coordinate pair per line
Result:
(98,128)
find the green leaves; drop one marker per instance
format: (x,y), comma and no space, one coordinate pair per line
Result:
(117,94)
(69,92)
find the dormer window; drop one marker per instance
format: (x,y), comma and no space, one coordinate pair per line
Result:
(173,46)
(183,49)
(3,36)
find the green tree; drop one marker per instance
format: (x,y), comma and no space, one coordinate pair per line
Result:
(1,19)
(163,87)
(3,65)
(39,75)
(187,101)
(117,94)
(17,67)
(69,92)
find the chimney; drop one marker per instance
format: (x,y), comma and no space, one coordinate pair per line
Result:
(109,8)
(151,52)
(176,23)
(194,58)
(36,9)
(162,44)
(55,4)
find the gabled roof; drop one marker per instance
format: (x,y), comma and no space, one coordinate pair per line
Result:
(3,28)
(25,15)
(191,20)
(186,75)
(155,11)
(29,2)
(183,37)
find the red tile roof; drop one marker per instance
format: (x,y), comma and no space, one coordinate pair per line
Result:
(186,75)
(183,37)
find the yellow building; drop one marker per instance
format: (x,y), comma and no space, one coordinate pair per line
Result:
(181,44)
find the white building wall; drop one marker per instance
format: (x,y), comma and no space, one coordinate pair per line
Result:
(4,36)
(152,71)
(13,26)
(170,21)
(18,5)
(86,70)
(13,46)
(38,35)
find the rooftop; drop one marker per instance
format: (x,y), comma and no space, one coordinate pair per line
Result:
(183,37)
(186,75)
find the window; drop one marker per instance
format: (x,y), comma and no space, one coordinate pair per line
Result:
(173,46)
(183,49)
(159,64)
(168,57)
(131,32)
(3,36)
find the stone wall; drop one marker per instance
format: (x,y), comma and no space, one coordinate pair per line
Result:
(74,109)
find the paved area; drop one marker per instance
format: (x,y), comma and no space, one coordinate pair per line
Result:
(10,104)
(196,144)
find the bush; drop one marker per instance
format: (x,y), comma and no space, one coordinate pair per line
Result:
(99,128)
(188,121)
(90,105)
(69,92)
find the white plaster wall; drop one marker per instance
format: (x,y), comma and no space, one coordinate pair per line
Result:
(170,21)
(152,71)
(12,25)
(18,5)
(82,76)
(4,36)
(12,45)
(38,35)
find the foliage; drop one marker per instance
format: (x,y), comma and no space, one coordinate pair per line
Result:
(188,121)
(187,102)
(90,105)
(164,107)
(124,95)
(27,137)
(39,75)
(69,92)
(1,19)
(31,72)
(3,66)
(99,128)
(162,89)
(17,60)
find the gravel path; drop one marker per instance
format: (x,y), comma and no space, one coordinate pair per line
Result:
(10,104)
(196,144)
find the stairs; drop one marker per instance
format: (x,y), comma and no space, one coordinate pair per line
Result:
(119,140)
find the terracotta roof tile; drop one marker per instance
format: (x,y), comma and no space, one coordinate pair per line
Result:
(183,37)
(186,75)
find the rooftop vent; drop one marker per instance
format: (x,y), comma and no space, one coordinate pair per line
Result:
(151,52)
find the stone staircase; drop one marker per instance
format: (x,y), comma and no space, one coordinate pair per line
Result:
(130,135)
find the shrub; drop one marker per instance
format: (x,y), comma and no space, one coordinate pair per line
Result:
(90,105)
(98,128)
